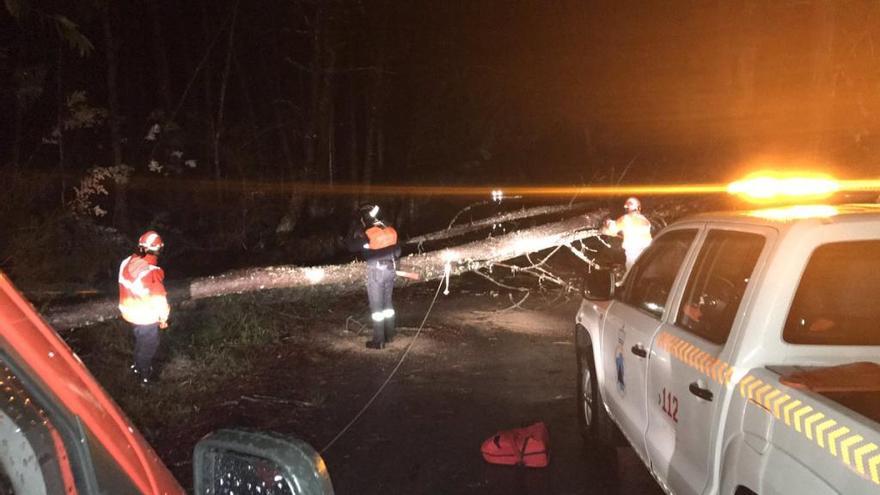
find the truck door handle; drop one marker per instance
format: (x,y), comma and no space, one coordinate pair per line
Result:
(703,393)
(639,351)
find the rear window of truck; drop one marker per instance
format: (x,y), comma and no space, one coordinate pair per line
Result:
(836,301)
(718,282)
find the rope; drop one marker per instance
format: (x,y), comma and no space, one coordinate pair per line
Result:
(390,376)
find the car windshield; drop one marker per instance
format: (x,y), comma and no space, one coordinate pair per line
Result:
(836,301)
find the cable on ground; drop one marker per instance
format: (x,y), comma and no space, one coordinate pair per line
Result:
(390,375)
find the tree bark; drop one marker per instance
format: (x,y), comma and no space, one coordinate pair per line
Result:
(120,204)
(62,110)
(329,281)
(218,131)
(244,87)
(208,77)
(484,223)
(161,57)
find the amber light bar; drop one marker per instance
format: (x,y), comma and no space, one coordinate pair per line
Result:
(755,188)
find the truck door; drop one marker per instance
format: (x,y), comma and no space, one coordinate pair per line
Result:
(688,371)
(630,325)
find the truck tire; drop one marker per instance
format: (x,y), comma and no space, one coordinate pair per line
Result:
(595,424)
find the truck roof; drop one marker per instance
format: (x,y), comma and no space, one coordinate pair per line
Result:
(784,216)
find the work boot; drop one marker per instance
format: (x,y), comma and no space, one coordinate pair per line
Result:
(389,329)
(142,378)
(378,340)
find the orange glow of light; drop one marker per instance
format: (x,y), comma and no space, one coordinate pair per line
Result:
(790,188)
(796,212)
(340,189)
(765,187)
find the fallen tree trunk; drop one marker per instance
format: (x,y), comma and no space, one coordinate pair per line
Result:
(485,223)
(332,280)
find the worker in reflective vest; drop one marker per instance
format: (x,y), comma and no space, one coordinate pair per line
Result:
(378,244)
(635,228)
(143,301)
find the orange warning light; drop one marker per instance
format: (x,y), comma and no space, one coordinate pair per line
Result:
(773,187)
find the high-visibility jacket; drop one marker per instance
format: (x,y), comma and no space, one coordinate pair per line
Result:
(636,230)
(381,236)
(142,296)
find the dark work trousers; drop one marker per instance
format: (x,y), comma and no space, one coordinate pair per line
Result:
(380,284)
(146,342)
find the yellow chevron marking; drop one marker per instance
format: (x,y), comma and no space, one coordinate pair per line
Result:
(751,389)
(679,353)
(719,370)
(661,341)
(777,403)
(848,444)
(728,374)
(705,360)
(800,413)
(679,347)
(872,465)
(832,439)
(691,354)
(783,407)
(713,369)
(820,431)
(769,397)
(682,351)
(808,423)
(698,361)
(742,384)
(860,454)
(722,371)
(787,409)
(759,395)
(707,365)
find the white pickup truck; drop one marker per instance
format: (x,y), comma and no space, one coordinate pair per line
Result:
(740,353)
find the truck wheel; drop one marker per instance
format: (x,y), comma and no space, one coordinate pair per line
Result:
(595,424)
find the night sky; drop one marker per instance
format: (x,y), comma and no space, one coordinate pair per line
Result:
(419,92)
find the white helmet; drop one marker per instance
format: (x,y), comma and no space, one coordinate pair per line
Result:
(632,204)
(151,242)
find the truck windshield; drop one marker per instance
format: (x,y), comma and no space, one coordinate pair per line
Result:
(836,301)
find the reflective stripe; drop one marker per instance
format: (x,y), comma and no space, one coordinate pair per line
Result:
(388,313)
(145,311)
(378,316)
(136,286)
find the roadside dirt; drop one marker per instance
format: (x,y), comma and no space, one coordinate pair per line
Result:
(476,368)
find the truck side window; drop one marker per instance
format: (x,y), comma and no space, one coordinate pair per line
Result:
(718,282)
(648,285)
(836,300)
(33,457)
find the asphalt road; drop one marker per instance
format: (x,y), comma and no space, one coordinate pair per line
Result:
(474,371)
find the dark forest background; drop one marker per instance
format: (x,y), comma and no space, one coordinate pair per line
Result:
(199,118)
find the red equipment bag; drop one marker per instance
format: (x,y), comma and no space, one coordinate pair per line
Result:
(526,446)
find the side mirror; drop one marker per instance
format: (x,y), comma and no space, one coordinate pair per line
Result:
(598,284)
(258,463)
